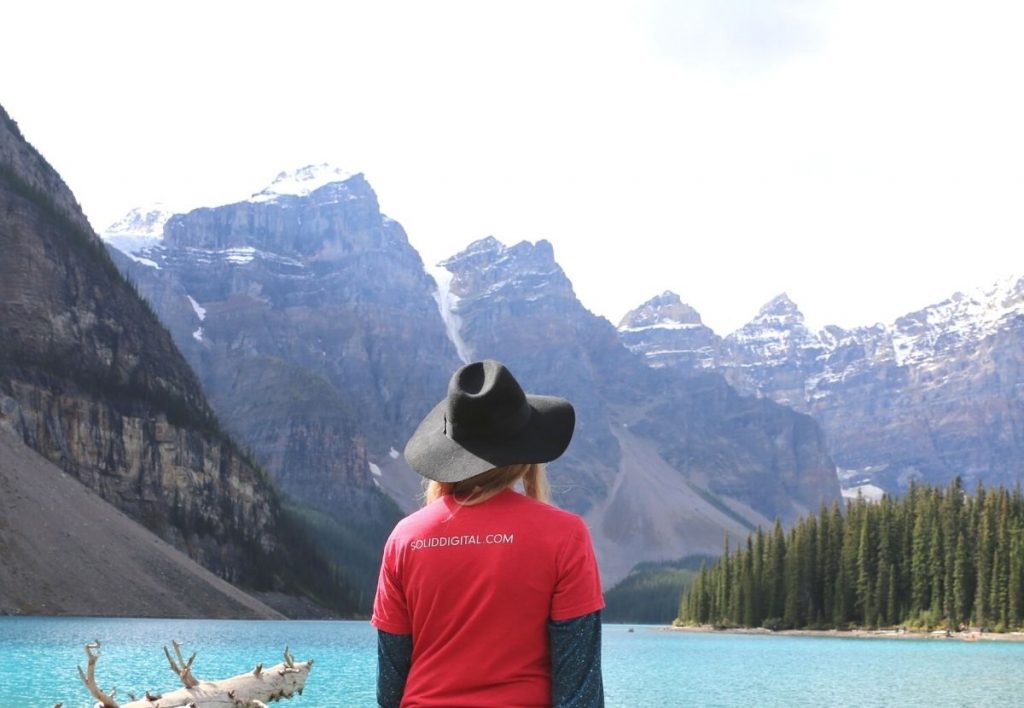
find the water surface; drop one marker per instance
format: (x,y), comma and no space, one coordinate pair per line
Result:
(642,667)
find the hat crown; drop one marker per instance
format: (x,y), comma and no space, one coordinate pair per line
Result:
(485,402)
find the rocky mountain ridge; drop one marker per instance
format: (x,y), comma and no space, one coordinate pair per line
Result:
(934,394)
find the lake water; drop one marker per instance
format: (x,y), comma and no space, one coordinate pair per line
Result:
(643,667)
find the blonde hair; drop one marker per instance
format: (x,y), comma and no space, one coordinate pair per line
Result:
(482,487)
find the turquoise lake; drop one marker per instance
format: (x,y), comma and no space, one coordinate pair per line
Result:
(642,667)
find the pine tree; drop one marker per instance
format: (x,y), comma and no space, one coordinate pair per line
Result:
(936,559)
(866,601)
(810,582)
(758,599)
(952,505)
(776,573)
(1015,582)
(747,592)
(791,602)
(983,560)
(920,585)
(884,585)
(961,583)
(999,591)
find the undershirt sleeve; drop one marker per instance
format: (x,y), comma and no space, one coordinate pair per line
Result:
(390,610)
(578,584)
(394,657)
(576,662)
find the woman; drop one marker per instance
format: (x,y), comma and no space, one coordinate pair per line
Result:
(489,597)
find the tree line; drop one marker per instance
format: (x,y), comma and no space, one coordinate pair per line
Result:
(938,557)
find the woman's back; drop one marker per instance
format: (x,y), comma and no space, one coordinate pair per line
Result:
(475,586)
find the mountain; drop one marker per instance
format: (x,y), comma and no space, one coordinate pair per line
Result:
(313,327)
(322,340)
(935,394)
(92,382)
(661,464)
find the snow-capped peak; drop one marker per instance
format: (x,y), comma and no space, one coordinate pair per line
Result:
(139,229)
(962,320)
(301,182)
(665,311)
(780,306)
(148,220)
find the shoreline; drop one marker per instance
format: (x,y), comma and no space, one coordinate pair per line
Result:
(916,634)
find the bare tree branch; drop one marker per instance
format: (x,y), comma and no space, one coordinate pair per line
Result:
(89,677)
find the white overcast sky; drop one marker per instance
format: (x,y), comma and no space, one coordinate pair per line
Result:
(865,157)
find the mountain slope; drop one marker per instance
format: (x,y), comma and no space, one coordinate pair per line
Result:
(65,551)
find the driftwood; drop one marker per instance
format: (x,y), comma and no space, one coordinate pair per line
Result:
(250,690)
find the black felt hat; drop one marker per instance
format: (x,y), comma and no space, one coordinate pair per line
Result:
(487,421)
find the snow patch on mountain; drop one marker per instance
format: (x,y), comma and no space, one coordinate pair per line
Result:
(242,255)
(869,492)
(301,182)
(238,255)
(447,305)
(663,324)
(144,261)
(197,308)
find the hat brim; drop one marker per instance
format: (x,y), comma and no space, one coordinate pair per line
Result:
(544,438)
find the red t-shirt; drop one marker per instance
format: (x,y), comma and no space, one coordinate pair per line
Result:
(475,586)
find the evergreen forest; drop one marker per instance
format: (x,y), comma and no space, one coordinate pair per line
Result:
(935,558)
(650,593)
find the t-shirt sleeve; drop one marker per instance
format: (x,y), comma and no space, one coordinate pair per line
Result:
(578,587)
(390,610)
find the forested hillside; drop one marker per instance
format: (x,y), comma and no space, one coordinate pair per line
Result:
(934,558)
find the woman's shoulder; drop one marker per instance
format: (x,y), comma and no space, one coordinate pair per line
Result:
(549,513)
(416,519)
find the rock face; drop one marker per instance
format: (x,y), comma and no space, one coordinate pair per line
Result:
(775,345)
(313,327)
(91,381)
(661,463)
(935,394)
